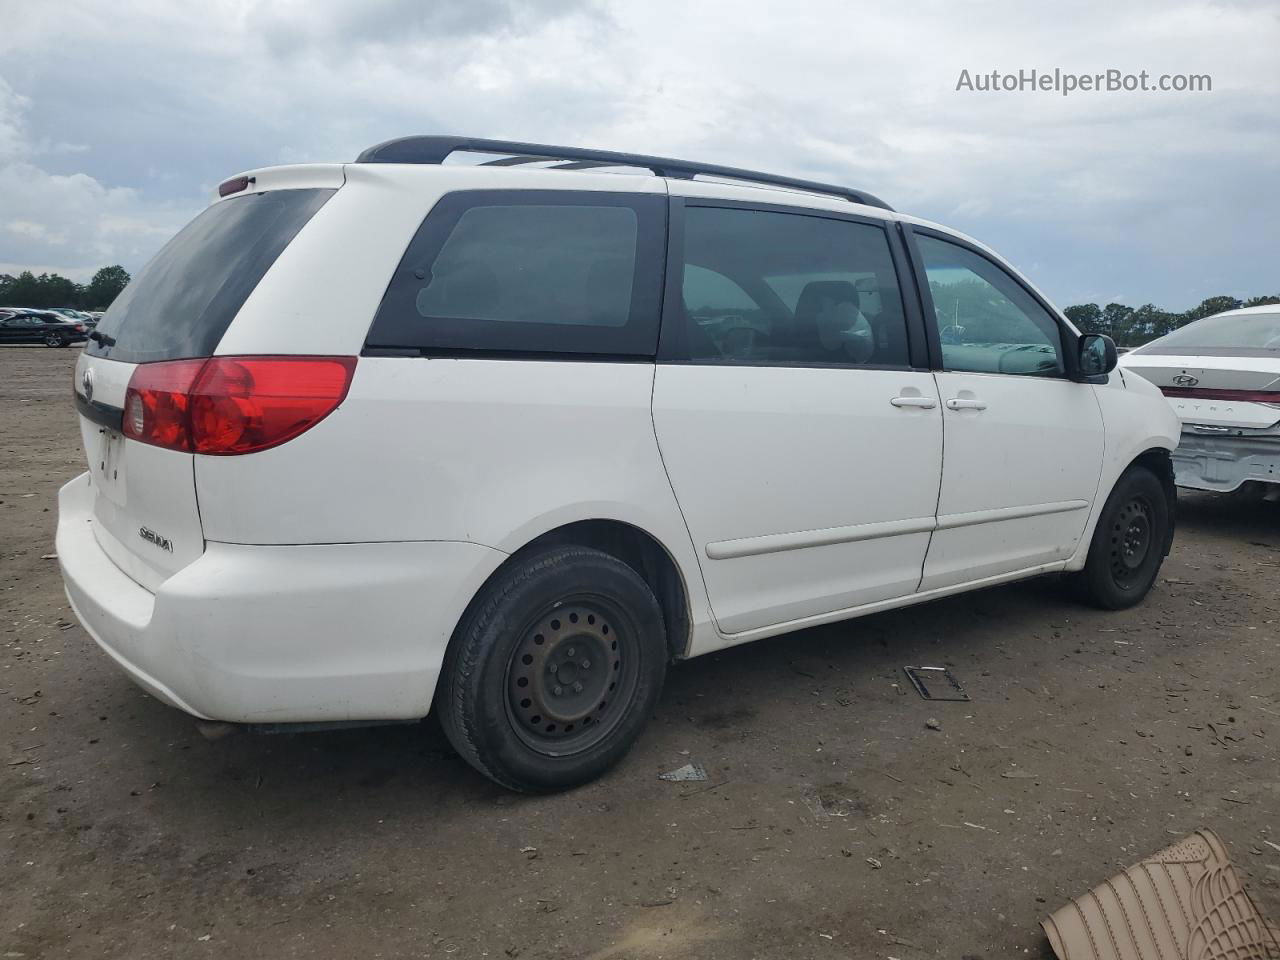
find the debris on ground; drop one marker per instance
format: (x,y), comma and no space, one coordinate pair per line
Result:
(690,772)
(1020,775)
(935,683)
(1205,910)
(213,730)
(933,724)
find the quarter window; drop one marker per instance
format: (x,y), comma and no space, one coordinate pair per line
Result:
(530,271)
(536,263)
(986,321)
(768,288)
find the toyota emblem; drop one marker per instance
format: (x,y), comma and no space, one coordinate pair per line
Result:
(86,384)
(1186,380)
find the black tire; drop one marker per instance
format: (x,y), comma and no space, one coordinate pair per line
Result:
(54,340)
(1129,542)
(561,612)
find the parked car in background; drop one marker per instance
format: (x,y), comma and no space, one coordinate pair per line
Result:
(1222,377)
(86,318)
(42,326)
(599,421)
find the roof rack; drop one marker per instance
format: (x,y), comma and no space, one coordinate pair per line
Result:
(435,149)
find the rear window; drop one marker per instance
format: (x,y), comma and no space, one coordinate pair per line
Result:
(182,302)
(542,272)
(1240,334)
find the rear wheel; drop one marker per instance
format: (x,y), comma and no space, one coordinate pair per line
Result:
(54,340)
(1129,542)
(554,670)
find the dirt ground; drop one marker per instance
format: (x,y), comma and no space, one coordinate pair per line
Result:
(834,822)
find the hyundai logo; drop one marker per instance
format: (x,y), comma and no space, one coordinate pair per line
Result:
(1185,380)
(86,384)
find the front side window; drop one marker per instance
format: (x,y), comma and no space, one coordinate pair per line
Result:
(986,321)
(767,288)
(537,271)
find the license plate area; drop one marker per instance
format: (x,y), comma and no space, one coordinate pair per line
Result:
(107,466)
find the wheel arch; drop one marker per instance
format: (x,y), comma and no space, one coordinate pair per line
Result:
(1159,462)
(638,549)
(1154,455)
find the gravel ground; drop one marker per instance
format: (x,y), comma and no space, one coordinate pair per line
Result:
(835,822)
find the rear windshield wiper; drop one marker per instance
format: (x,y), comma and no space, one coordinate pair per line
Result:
(103,338)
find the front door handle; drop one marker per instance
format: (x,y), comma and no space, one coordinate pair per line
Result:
(924,403)
(961,403)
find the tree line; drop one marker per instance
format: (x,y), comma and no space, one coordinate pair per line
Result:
(1134,326)
(55,290)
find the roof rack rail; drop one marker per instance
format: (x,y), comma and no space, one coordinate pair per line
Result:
(435,149)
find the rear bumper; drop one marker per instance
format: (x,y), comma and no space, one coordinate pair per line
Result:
(277,634)
(1222,463)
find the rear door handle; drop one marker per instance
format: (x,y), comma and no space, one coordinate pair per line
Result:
(959,403)
(924,403)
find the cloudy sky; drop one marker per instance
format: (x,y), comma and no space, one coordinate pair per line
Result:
(119,117)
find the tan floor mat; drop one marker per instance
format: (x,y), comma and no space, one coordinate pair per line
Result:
(1184,903)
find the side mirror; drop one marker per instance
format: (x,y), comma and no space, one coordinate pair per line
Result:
(1097,355)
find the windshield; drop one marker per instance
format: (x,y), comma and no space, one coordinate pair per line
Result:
(1247,332)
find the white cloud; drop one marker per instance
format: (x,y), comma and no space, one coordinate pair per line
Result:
(70,220)
(12,105)
(1164,197)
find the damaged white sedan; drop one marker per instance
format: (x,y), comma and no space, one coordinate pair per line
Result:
(1222,377)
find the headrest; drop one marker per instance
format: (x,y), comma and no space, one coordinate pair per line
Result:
(816,291)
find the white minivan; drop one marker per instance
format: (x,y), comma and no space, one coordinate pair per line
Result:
(508,436)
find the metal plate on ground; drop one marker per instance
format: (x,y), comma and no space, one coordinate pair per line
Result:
(935,683)
(689,772)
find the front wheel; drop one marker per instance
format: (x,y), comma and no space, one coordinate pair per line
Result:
(1129,542)
(554,669)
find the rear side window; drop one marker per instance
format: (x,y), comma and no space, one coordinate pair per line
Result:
(182,302)
(542,272)
(766,288)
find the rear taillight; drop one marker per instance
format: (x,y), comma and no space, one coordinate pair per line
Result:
(1243,396)
(156,403)
(231,405)
(80,328)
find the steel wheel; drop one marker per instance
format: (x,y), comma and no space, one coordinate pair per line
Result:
(554,669)
(1131,540)
(570,677)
